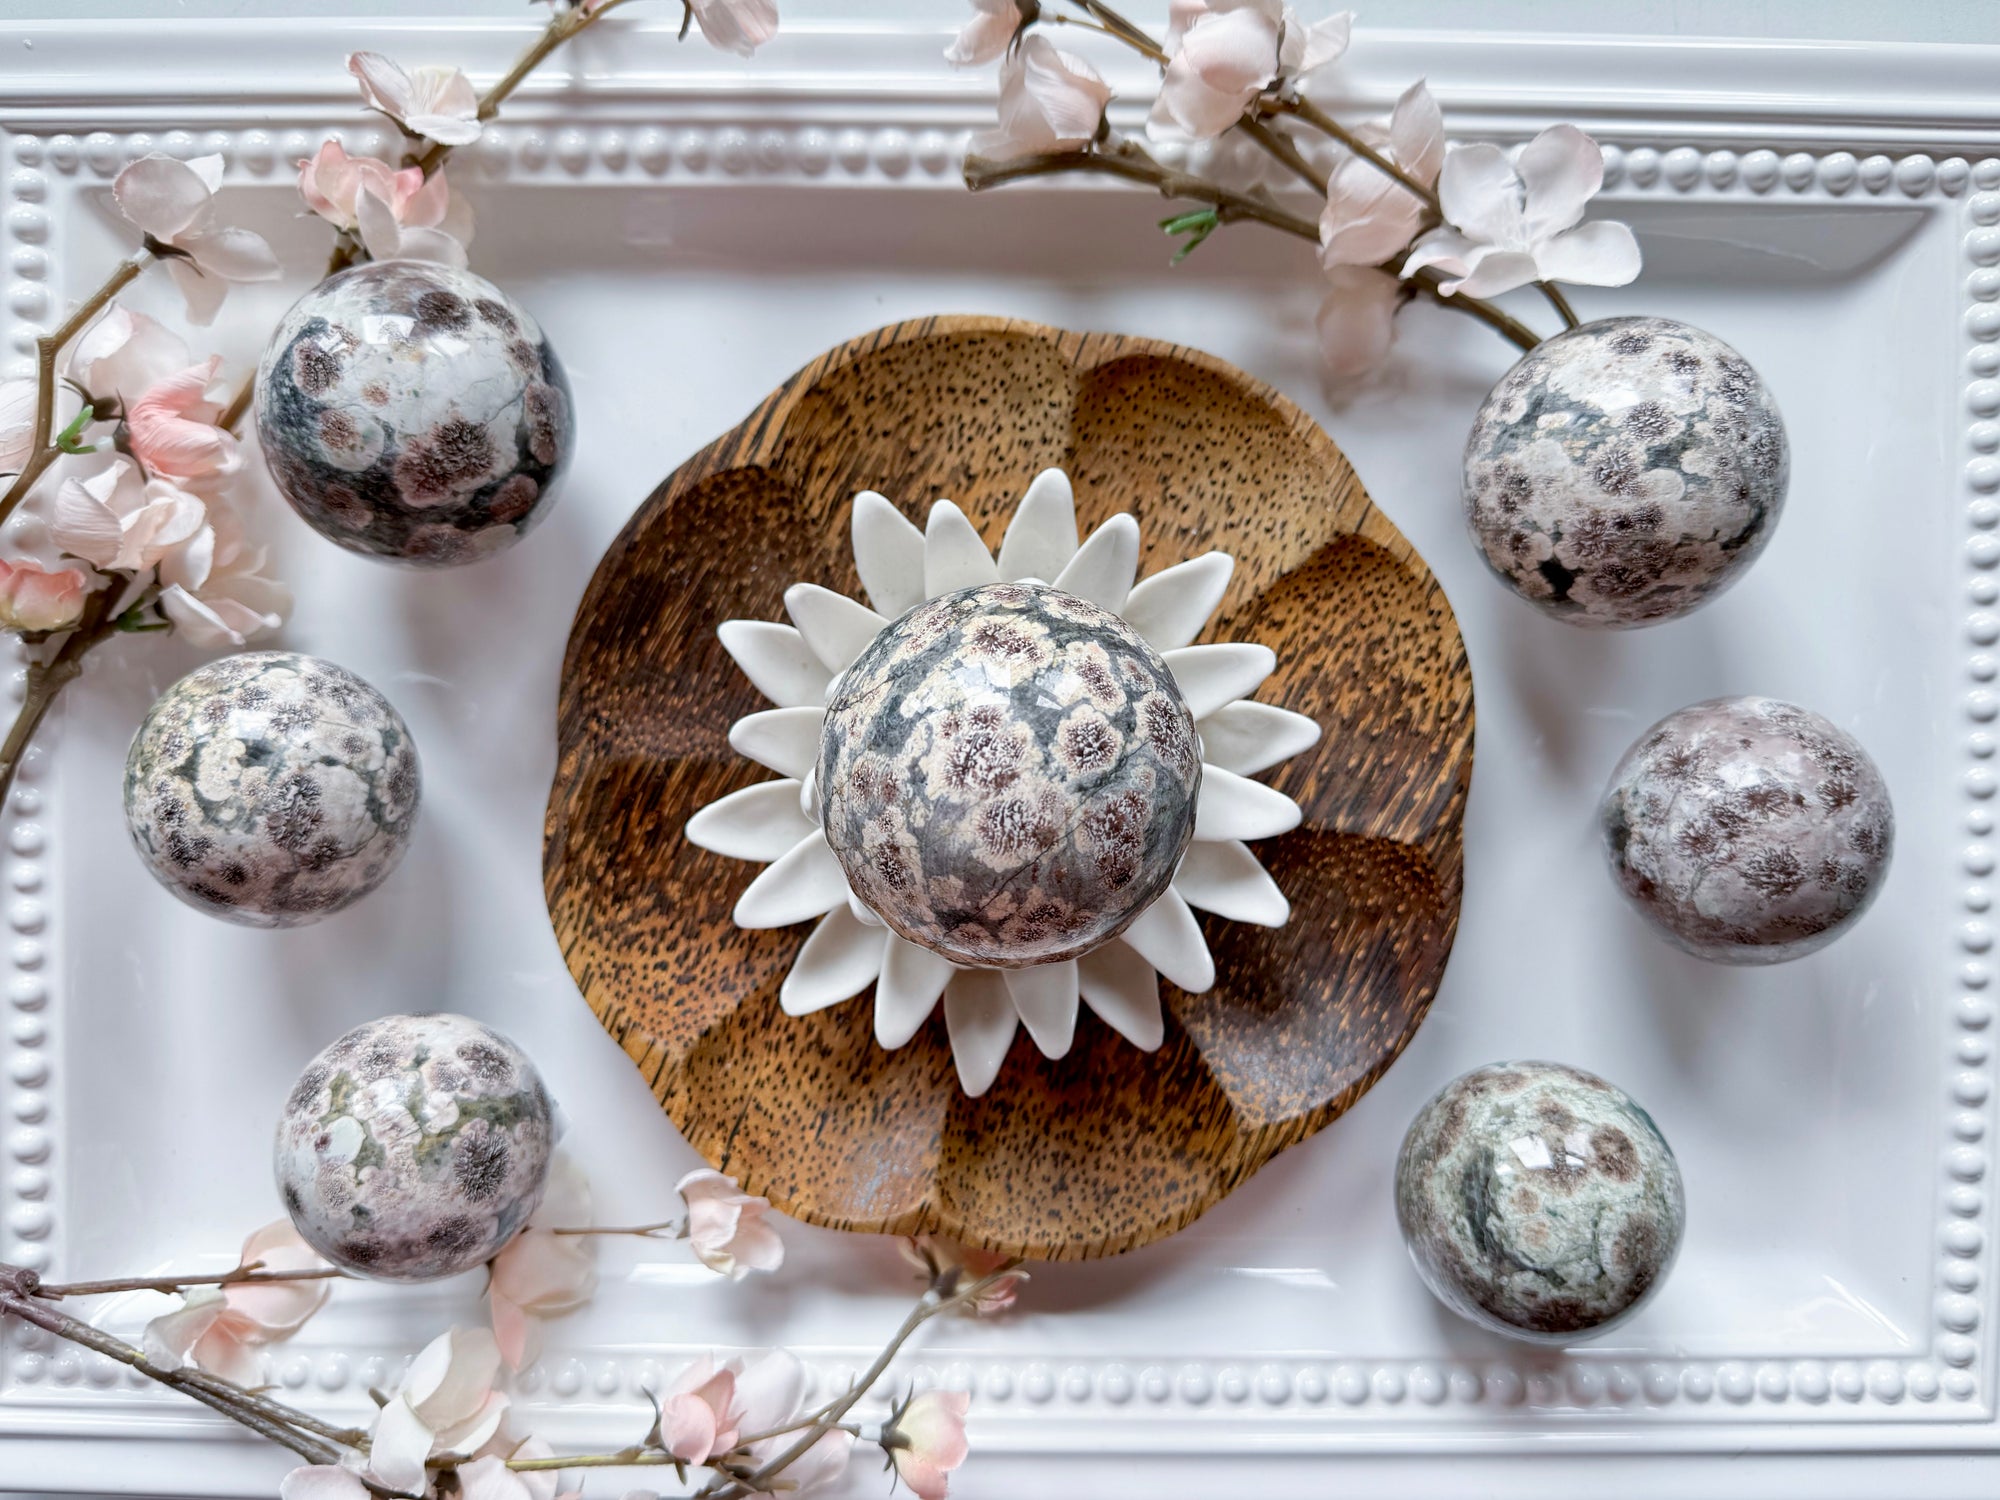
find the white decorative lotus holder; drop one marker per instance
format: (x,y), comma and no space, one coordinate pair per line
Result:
(1096,835)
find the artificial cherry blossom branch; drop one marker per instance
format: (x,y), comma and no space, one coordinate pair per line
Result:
(1129,160)
(47,679)
(43,451)
(251,1274)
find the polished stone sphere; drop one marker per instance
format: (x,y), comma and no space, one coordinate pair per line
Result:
(271,788)
(414,1147)
(1008,775)
(414,413)
(1539,1201)
(1625,472)
(1747,830)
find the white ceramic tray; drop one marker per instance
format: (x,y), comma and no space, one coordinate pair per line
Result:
(690,232)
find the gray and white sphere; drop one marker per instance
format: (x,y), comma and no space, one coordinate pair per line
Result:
(1539,1201)
(271,789)
(414,412)
(1625,472)
(1009,775)
(1748,830)
(414,1147)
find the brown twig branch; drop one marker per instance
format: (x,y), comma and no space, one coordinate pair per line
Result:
(252,1274)
(42,450)
(46,679)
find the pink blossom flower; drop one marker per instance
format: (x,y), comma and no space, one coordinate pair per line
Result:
(174,202)
(726,1228)
(172,428)
(1356,321)
(540,1274)
(950,1265)
(125,352)
(446,1404)
(1050,100)
(770,1393)
(488,1477)
(33,598)
(696,1414)
(1224,53)
(434,102)
(216,593)
(925,1440)
(989,33)
(739,26)
(400,214)
(1508,223)
(322,1482)
(117,520)
(18,400)
(1369,216)
(219,1329)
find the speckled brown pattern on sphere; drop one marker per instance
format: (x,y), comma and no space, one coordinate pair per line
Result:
(1008,775)
(271,788)
(1539,1201)
(414,1147)
(414,412)
(1108,1148)
(1625,472)
(1748,830)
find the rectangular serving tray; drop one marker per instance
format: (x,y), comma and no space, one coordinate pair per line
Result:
(689,231)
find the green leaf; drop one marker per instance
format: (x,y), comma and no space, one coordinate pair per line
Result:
(67,438)
(1197,224)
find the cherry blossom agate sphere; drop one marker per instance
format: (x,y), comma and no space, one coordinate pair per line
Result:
(1539,1201)
(1625,472)
(271,789)
(1748,831)
(414,1147)
(413,412)
(1008,775)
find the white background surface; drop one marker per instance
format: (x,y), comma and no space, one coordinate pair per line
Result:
(1804,1103)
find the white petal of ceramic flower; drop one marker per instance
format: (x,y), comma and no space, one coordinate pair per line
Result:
(980,1018)
(1045,996)
(1041,539)
(1225,58)
(1210,676)
(1105,565)
(123,355)
(1369,216)
(1247,737)
(170,1336)
(1356,322)
(806,882)
(431,101)
(785,739)
(838,962)
(1169,938)
(1235,807)
(777,660)
(888,554)
(1561,170)
(1226,878)
(400,1446)
(912,979)
(1170,608)
(954,556)
(834,626)
(769,1391)
(760,822)
(1124,990)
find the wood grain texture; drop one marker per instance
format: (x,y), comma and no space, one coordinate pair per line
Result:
(1108,1148)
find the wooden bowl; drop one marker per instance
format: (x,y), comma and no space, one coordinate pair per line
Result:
(1108,1148)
